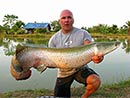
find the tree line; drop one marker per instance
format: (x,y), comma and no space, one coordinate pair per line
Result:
(12,25)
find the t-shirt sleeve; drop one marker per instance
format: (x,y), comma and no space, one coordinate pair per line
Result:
(87,36)
(51,43)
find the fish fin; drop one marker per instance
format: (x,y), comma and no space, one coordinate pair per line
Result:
(41,68)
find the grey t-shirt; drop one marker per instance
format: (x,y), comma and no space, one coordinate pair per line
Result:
(72,39)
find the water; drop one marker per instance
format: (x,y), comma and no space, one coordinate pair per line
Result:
(114,68)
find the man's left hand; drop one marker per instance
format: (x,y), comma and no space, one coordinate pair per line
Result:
(97,58)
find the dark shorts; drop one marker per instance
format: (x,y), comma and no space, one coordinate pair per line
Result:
(62,87)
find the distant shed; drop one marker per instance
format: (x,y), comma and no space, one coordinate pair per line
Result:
(31,26)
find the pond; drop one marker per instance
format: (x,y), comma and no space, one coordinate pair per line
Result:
(113,69)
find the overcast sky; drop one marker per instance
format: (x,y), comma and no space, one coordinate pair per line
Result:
(86,12)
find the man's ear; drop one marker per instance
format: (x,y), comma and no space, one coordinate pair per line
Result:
(59,21)
(73,20)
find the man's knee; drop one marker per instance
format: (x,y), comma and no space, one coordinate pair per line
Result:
(93,81)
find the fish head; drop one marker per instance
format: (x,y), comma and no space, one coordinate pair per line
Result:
(106,47)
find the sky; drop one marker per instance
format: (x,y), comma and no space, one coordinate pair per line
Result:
(86,13)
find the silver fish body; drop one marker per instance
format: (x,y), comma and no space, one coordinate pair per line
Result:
(29,56)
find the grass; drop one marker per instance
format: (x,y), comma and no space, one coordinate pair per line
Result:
(122,36)
(120,90)
(48,35)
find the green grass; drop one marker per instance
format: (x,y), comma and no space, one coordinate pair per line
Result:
(120,90)
(48,35)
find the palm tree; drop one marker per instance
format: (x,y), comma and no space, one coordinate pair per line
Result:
(10,20)
(128,25)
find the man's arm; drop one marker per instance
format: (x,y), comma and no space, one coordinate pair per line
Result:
(86,42)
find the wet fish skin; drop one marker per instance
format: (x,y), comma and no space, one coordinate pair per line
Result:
(41,58)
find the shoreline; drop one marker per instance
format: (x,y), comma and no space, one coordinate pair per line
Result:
(117,90)
(47,36)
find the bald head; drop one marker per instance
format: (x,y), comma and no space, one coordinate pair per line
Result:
(66,12)
(66,21)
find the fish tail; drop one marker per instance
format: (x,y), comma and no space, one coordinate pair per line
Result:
(16,65)
(17,71)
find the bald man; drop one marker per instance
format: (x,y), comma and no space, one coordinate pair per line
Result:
(70,36)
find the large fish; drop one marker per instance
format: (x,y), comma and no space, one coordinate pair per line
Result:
(42,58)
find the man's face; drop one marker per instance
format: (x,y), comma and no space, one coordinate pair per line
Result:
(66,20)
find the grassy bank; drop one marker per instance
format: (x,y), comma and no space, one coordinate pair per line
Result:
(121,36)
(48,35)
(45,36)
(120,90)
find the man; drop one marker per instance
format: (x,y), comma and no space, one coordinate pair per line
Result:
(70,36)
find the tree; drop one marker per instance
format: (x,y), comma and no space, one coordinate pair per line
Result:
(10,20)
(55,26)
(12,24)
(18,27)
(123,29)
(128,25)
(1,30)
(101,28)
(113,29)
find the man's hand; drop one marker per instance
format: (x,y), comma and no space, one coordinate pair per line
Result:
(97,58)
